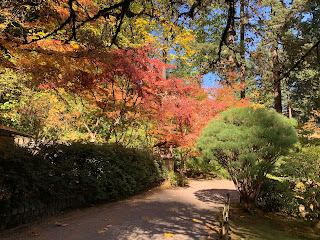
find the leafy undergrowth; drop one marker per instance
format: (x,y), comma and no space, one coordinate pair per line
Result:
(269,226)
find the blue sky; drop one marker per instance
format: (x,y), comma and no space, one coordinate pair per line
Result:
(210,80)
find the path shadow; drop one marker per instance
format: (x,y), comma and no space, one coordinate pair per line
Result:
(217,195)
(184,221)
(129,221)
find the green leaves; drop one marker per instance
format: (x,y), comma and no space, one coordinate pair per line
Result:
(247,142)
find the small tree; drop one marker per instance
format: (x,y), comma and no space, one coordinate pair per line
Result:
(247,142)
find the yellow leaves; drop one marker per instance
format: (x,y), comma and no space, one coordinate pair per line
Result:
(102,231)
(3,25)
(28,7)
(168,235)
(144,29)
(74,45)
(166,35)
(300,186)
(196,220)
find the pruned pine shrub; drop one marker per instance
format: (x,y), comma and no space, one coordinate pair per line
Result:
(247,142)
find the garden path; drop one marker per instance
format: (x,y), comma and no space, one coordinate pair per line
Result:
(160,213)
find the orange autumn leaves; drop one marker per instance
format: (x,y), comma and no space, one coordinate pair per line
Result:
(125,85)
(183,116)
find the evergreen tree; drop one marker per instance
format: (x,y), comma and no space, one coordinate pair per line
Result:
(247,142)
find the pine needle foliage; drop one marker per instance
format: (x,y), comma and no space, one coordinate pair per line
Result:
(247,142)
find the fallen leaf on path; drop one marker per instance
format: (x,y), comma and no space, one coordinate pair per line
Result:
(173,210)
(61,224)
(146,217)
(33,234)
(206,227)
(214,203)
(168,235)
(215,228)
(196,220)
(101,232)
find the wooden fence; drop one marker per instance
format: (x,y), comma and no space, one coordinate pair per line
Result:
(225,234)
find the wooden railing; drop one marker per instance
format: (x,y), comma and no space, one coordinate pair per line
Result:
(225,234)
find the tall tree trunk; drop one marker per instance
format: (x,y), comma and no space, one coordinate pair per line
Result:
(231,73)
(276,80)
(242,52)
(289,106)
(182,156)
(113,126)
(165,57)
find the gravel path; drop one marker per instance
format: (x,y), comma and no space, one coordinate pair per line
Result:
(160,213)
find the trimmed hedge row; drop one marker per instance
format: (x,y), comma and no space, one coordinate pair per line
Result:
(85,172)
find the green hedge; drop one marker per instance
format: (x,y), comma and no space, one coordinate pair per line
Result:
(276,196)
(86,172)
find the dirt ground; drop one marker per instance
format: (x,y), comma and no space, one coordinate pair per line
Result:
(160,213)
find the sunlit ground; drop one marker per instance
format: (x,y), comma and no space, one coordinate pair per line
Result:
(270,226)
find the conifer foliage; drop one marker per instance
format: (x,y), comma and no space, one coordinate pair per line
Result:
(247,142)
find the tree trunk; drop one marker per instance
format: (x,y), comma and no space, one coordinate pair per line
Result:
(249,192)
(113,126)
(276,80)
(165,57)
(289,106)
(231,73)
(242,52)
(182,156)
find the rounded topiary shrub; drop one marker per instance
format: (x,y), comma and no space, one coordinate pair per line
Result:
(247,142)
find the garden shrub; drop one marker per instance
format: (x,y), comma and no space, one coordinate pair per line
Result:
(177,179)
(23,179)
(198,166)
(276,196)
(302,169)
(247,142)
(87,172)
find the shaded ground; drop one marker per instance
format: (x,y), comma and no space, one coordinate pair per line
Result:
(270,226)
(178,213)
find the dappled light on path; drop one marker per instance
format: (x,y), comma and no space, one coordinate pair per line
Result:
(217,196)
(161,213)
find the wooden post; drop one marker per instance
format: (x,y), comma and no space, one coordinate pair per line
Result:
(225,219)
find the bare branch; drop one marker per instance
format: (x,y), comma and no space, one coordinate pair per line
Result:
(299,61)
(223,41)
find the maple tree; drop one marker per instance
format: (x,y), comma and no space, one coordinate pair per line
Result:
(185,112)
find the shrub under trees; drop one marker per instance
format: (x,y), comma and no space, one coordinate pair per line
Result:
(247,142)
(87,172)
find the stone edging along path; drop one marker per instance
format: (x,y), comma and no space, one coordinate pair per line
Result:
(160,213)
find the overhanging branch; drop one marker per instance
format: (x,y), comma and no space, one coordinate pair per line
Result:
(299,61)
